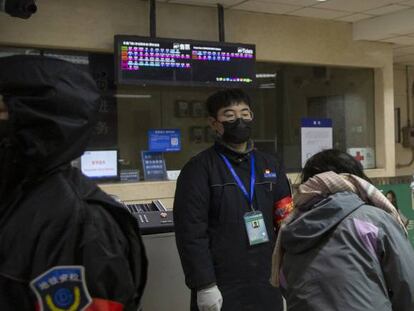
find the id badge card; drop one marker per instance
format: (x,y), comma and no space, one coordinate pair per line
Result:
(255,227)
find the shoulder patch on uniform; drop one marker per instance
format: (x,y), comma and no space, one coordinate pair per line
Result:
(62,288)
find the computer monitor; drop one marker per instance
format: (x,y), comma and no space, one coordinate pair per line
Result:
(101,165)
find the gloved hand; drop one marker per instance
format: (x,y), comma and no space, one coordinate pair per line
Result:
(209,299)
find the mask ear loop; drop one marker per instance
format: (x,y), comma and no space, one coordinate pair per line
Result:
(251,112)
(216,133)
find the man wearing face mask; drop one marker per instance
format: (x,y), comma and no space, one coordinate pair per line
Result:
(229,201)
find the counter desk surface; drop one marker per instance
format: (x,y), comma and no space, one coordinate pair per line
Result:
(147,191)
(143,192)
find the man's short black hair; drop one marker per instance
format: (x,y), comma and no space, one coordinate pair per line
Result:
(226,98)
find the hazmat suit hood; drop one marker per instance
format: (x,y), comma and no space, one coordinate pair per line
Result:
(52,106)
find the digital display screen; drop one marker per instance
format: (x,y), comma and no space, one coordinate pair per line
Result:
(153,164)
(100,164)
(142,60)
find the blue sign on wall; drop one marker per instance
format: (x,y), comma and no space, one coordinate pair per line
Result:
(316,135)
(164,140)
(312,122)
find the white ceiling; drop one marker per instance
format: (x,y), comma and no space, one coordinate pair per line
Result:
(368,17)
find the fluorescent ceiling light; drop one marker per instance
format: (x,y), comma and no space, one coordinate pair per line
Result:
(132,96)
(76,59)
(265,75)
(267,86)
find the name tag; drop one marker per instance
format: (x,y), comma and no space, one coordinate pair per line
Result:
(256,228)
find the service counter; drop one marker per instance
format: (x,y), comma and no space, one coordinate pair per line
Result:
(165,290)
(143,192)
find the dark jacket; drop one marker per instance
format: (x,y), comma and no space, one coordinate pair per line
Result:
(211,234)
(346,255)
(52,216)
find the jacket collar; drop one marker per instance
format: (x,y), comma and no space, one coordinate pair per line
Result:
(232,154)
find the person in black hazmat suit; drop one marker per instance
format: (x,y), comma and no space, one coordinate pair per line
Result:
(64,244)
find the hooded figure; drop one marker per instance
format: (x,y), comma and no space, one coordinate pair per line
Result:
(345,246)
(64,244)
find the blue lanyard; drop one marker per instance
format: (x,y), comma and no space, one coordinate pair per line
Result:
(238,180)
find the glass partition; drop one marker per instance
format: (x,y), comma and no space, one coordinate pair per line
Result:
(284,94)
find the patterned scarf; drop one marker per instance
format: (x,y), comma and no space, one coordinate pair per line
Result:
(323,185)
